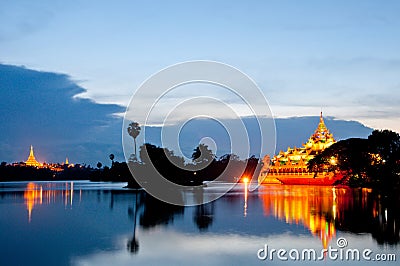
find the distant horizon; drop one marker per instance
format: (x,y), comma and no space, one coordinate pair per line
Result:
(310,130)
(61,125)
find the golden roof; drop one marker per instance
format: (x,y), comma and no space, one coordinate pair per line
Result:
(318,141)
(31,159)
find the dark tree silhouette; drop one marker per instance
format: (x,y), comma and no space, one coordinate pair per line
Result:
(134,131)
(386,143)
(112,159)
(99,165)
(157,161)
(164,162)
(202,154)
(384,148)
(351,157)
(372,162)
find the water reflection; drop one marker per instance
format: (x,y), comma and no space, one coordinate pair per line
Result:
(324,210)
(37,194)
(368,212)
(246,191)
(238,223)
(133,243)
(204,216)
(313,207)
(153,213)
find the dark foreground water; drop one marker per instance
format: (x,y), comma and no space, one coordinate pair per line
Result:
(85,223)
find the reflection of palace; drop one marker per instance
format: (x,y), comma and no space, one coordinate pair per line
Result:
(324,209)
(290,167)
(36,194)
(316,208)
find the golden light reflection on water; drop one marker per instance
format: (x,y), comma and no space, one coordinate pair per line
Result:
(316,208)
(246,182)
(38,194)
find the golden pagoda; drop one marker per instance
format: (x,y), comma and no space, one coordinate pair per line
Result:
(290,166)
(31,159)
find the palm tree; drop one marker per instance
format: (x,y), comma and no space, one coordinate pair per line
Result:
(112,159)
(133,131)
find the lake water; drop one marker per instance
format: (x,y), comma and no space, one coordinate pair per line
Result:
(87,223)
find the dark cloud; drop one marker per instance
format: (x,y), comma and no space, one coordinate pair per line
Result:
(38,108)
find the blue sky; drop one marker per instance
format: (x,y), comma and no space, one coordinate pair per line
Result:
(341,56)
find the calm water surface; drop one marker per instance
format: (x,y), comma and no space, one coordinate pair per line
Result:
(87,223)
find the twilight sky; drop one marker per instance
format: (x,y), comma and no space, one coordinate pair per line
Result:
(341,56)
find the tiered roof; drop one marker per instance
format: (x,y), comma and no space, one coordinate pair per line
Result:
(32,160)
(319,141)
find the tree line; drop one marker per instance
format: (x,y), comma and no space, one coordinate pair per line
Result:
(373,162)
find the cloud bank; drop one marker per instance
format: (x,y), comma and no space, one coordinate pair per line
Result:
(40,108)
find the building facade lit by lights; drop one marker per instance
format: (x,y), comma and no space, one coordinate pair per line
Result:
(290,166)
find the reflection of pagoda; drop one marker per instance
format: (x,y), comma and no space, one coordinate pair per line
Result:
(290,167)
(38,194)
(31,159)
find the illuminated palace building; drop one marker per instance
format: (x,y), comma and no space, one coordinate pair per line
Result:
(290,166)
